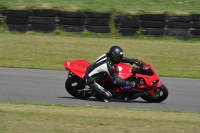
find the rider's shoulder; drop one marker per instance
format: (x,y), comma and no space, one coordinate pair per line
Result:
(107,56)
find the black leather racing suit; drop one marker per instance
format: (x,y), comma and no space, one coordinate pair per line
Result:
(103,65)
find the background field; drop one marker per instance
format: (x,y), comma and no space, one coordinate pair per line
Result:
(129,6)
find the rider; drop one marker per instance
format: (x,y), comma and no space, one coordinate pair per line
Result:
(105,64)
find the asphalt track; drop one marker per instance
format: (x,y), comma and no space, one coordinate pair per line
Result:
(47,86)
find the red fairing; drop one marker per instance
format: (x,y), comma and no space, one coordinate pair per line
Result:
(149,78)
(78,67)
(123,70)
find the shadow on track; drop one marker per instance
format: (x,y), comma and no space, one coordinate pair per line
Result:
(113,100)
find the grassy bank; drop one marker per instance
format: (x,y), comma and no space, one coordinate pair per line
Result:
(17,118)
(126,6)
(171,58)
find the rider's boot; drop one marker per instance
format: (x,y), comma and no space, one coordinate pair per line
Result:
(101,91)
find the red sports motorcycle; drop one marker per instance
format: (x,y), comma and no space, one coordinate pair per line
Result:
(148,84)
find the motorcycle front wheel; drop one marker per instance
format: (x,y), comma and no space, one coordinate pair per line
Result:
(73,85)
(161,95)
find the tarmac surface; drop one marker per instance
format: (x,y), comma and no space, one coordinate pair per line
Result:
(48,87)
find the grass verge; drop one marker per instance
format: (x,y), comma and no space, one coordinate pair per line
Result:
(31,118)
(172,58)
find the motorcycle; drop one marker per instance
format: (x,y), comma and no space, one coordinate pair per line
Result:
(148,86)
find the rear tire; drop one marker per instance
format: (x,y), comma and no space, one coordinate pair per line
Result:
(73,84)
(159,98)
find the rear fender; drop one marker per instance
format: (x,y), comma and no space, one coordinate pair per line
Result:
(78,67)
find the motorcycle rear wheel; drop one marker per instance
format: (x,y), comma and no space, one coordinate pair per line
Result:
(159,98)
(73,84)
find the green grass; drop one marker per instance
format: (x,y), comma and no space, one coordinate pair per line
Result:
(125,6)
(18,118)
(173,58)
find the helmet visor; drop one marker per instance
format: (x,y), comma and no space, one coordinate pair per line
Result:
(117,58)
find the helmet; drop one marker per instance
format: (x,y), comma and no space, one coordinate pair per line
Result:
(116,54)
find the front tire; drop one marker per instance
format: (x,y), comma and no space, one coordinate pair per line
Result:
(73,84)
(161,95)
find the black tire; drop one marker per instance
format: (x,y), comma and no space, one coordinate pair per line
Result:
(128,25)
(195,32)
(158,99)
(128,31)
(100,15)
(98,29)
(71,14)
(177,32)
(195,36)
(153,24)
(14,20)
(153,17)
(153,31)
(73,84)
(97,22)
(72,28)
(71,21)
(127,18)
(182,37)
(43,12)
(195,17)
(46,28)
(18,28)
(184,19)
(41,20)
(16,13)
(196,25)
(178,25)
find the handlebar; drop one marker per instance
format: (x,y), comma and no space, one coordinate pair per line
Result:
(142,68)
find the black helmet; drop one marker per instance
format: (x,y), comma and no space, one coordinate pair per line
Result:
(116,54)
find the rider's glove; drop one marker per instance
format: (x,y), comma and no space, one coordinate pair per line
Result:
(135,61)
(132,61)
(138,62)
(130,83)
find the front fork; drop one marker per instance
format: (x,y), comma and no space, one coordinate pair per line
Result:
(155,87)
